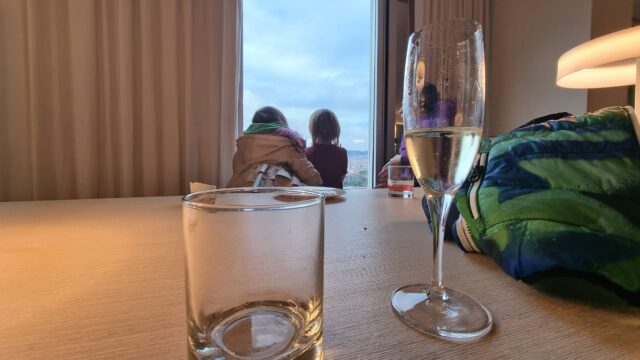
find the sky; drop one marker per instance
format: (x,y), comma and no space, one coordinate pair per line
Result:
(301,55)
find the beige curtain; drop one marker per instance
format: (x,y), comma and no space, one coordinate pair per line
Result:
(428,11)
(111,98)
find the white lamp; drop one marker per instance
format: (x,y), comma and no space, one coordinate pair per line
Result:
(610,60)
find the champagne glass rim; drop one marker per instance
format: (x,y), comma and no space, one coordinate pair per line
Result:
(435,32)
(473,24)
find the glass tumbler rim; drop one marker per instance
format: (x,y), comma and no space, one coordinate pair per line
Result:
(311,198)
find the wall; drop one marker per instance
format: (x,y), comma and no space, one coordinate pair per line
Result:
(527,38)
(609,16)
(399,31)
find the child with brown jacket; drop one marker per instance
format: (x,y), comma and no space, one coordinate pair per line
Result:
(270,154)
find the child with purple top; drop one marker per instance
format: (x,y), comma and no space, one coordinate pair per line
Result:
(325,154)
(434,112)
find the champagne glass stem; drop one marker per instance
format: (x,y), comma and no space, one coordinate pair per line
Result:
(438,208)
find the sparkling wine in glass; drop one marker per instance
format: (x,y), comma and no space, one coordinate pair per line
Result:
(443,106)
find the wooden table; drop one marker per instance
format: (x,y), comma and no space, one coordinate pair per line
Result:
(103,279)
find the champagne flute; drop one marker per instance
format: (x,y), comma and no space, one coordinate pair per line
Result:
(443,104)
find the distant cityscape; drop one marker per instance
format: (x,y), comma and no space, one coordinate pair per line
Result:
(357,170)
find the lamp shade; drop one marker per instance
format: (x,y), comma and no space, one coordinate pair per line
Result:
(607,61)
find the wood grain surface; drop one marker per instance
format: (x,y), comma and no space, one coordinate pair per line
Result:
(103,279)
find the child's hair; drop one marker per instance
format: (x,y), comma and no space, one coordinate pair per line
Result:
(324,126)
(269,114)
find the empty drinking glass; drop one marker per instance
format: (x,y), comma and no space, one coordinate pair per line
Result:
(254,273)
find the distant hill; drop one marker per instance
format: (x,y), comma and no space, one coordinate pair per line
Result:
(357,153)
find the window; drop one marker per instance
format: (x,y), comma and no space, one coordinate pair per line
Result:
(300,56)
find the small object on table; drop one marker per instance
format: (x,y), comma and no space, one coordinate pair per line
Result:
(400,181)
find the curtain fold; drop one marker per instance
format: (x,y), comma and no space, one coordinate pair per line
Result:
(429,11)
(112,98)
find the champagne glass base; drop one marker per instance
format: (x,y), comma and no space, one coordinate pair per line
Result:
(458,318)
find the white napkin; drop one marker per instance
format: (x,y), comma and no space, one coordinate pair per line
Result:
(195,186)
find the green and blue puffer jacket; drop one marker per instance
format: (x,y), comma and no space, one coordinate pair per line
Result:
(561,195)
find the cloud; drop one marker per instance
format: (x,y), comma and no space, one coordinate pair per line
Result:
(303,55)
